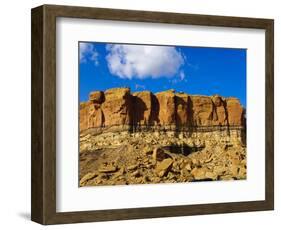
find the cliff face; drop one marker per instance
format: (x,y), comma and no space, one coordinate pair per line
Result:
(119,107)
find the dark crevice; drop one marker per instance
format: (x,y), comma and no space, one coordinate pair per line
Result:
(183,149)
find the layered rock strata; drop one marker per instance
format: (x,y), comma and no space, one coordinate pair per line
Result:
(119,109)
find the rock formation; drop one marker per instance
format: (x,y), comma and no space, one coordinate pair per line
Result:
(117,107)
(141,137)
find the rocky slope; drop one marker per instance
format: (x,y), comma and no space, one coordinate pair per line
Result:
(138,138)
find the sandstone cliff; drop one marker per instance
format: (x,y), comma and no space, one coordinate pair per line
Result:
(118,107)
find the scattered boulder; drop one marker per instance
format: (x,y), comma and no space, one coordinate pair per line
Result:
(198,173)
(226,177)
(234,169)
(184,173)
(211,175)
(87,177)
(242,172)
(119,173)
(159,154)
(188,167)
(132,167)
(135,167)
(163,167)
(195,161)
(108,169)
(148,152)
(136,173)
(219,169)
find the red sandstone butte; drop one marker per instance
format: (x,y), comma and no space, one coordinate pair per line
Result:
(119,107)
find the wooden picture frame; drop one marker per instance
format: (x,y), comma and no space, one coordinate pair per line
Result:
(43,205)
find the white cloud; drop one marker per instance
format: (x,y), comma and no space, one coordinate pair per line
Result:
(87,52)
(182,75)
(135,61)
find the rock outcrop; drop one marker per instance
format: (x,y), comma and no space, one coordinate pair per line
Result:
(143,158)
(118,107)
(167,107)
(143,108)
(167,137)
(234,111)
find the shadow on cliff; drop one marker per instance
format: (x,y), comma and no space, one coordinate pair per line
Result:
(139,111)
(155,110)
(139,107)
(184,112)
(190,112)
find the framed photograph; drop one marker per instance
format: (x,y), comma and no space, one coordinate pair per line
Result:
(140,114)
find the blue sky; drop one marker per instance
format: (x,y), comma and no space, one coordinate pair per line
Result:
(193,70)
